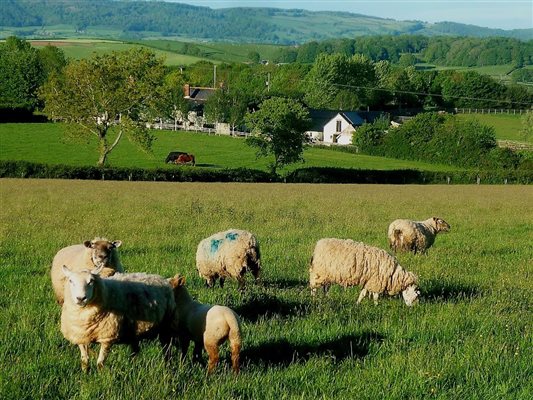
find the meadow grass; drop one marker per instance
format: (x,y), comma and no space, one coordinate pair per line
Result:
(506,126)
(84,48)
(47,143)
(470,337)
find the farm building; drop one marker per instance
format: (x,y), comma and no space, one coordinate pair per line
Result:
(337,127)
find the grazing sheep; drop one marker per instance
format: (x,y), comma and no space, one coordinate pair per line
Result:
(94,253)
(228,254)
(123,308)
(350,263)
(207,326)
(415,236)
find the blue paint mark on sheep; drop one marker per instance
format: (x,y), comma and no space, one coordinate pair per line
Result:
(215,244)
(232,235)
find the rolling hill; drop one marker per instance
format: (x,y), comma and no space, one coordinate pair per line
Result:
(141,19)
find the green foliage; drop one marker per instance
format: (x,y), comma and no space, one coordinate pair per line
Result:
(21,73)
(369,136)
(278,129)
(526,132)
(95,94)
(522,75)
(337,81)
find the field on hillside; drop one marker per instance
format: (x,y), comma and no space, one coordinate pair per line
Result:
(469,338)
(46,143)
(506,126)
(84,48)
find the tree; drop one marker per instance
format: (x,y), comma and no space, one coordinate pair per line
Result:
(21,74)
(527,126)
(171,100)
(278,129)
(253,56)
(107,90)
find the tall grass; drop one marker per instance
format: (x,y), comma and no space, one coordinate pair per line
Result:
(469,338)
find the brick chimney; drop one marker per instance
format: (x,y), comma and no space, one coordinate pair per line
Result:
(187,90)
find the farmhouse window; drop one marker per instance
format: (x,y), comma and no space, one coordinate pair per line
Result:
(339,123)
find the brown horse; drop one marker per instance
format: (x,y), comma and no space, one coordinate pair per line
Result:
(184,159)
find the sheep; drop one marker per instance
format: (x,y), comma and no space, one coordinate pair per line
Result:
(349,263)
(228,254)
(415,236)
(92,253)
(123,308)
(206,325)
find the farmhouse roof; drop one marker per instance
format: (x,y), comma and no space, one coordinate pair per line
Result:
(320,118)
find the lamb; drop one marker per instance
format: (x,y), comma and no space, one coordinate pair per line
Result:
(415,236)
(207,326)
(94,253)
(123,308)
(228,254)
(349,263)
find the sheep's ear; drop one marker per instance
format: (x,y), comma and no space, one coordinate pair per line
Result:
(66,271)
(87,244)
(117,243)
(96,271)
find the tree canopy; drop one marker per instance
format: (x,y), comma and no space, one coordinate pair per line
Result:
(278,129)
(106,90)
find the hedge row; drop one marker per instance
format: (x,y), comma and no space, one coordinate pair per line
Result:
(406,176)
(24,169)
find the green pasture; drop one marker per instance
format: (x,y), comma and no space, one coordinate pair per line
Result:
(469,338)
(506,126)
(85,48)
(48,143)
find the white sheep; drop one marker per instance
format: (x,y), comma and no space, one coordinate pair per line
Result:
(89,255)
(123,308)
(415,236)
(349,263)
(228,254)
(207,326)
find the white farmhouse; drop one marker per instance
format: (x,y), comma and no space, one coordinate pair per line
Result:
(340,128)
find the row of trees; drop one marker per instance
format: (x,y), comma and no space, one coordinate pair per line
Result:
(442,139)
(441,50)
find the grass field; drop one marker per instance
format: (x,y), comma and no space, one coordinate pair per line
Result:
(46,143)
(84,48)
(506,126)
(469,338)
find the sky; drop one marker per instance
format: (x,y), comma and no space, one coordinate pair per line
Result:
(512,14)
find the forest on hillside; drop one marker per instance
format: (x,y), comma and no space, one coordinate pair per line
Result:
(266,25)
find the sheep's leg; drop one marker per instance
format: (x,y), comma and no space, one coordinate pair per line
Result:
(221,281)
(197,352)
(241,283)
(362,295)
(235,354)
(84,350)
(134,348)
(184,344)
(166,344)
(210,282)
(325,289)
(104,351)
(212,352)
(375,296)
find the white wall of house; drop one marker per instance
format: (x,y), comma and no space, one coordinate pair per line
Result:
(338,130)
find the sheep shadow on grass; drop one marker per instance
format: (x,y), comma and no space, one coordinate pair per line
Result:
(286,283)
(267,306)
(439,291)
(281,352)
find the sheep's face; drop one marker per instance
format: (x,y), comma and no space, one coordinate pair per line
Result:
(441,225)
(101,251)
(410,295)
(81,285)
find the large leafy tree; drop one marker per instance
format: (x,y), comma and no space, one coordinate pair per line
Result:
(338,81)
(171,101)
(117,89)
(278,129)
(21,73)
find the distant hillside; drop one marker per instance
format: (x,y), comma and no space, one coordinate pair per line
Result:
(137,19)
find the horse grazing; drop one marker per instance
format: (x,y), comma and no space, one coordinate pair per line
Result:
(180,158)
(184,159)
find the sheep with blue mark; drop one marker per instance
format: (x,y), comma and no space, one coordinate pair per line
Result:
(228,254)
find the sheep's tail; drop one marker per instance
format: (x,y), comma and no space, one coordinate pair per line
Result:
(234,339)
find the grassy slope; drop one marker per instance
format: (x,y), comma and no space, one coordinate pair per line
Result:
(84,48)
(470,338)
(507,127)
(46,143)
